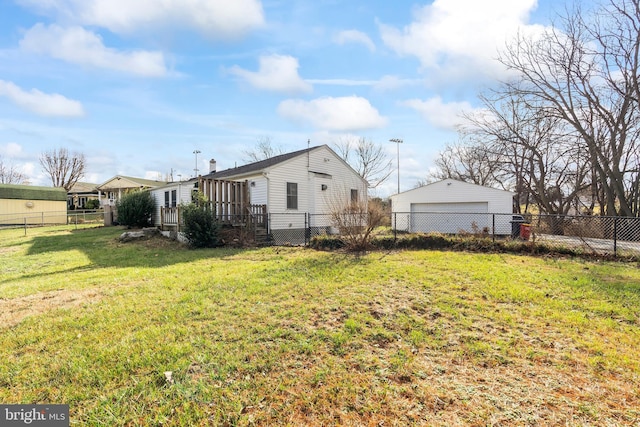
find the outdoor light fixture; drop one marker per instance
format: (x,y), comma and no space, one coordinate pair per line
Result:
(323,187)
(398,141)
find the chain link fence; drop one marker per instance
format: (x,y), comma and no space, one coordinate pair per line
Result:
(297,229)
(42,219)
(589,234)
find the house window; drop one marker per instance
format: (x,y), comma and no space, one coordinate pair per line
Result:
(292,195)
(354,195)
(174,198)
(167,199)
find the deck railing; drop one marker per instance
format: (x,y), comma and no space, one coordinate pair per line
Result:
(254,216)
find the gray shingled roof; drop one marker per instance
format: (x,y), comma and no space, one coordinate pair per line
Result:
(257,166)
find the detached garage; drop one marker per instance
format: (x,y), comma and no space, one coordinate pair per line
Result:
(25,204)
(451,207)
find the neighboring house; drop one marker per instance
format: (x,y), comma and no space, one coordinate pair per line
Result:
(80,194)
(451,206)
(26,204)
(112,190)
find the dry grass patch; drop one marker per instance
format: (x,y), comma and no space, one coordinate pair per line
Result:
(14,310)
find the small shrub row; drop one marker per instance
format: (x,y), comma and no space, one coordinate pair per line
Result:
(469,243)
(326,242)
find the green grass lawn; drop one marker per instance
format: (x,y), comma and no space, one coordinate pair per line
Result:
(292,336)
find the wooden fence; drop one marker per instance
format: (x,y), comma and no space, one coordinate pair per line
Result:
(229,199)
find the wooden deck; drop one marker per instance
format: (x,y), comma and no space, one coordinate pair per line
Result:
(230,205)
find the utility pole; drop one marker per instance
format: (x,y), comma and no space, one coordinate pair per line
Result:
(398,141)
(196,152)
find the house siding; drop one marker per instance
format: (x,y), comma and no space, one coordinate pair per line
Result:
(183,189)
(342,180)
(258,190)
(310,171)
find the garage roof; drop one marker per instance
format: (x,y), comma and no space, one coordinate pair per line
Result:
(29,192)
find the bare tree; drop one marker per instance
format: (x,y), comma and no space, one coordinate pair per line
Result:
(368,158)
(9,174)
(585,73)
(64,169)
(356,221)
(264,149)
(468,160)
(539,156)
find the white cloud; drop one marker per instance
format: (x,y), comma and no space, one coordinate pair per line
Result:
(153,175)
(79,46)
(354,36)
(278,73)
(461,37)
(220,19)
(386,83)
(343,82)
(349,113)
(43,104)
(10,150)
(389,83)
(438,113)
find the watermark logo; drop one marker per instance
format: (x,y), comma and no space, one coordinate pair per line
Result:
(34,415)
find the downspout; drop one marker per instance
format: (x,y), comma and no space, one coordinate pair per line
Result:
(309,191)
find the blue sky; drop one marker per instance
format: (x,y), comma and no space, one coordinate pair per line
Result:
(138,85)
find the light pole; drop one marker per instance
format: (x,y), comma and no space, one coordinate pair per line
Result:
(398,141)
(196,153)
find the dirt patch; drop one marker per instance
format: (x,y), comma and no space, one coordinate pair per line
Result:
(15,310)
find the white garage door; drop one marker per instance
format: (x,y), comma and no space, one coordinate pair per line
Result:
(449,217)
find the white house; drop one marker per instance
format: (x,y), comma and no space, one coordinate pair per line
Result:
(451,206)
(298,188)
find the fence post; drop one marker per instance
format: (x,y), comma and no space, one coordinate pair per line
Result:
(307,229)
(25,225)
(615,236)
(395,228)
(493,227)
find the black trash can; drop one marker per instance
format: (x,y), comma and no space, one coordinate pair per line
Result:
(516,220)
